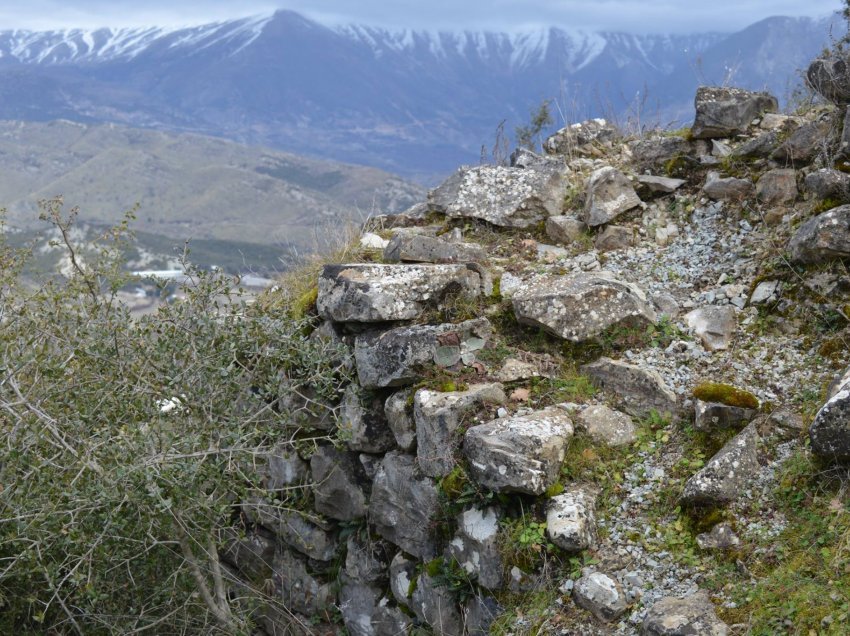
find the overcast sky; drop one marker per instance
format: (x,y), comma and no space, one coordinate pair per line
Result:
(659,16)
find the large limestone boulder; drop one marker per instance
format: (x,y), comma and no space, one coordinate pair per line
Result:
(726,112)
(362,423)
(340,485)
(398,356)
(507,197)
(829,76)
(690,616)
(571,519)
(638,391)
(586,139)
(609,194)
(519,454)
(439,415)
(475,546)
(404,505)
(823,237)
(727,474)
(363,292)
(582,306)
(830,430)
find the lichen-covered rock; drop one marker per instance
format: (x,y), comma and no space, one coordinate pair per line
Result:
(419,248)
(251,554)
(340,485)
(660,152)
(726,112)
(565,229)
(828,183)
(823,237)
(727,188)
(777,187)
(614,237)
(402,576)
(362,424)
(519,454)
(582,306)
(829,76)
(714,325)
(508,197)
(435,605)
(600,595)
(726,475)
(404,505)
(607,426)
(371,292)
(398,409)
(830,430)
(664,185)
(759,147)
(690,616)
(639,391)
(584,139)
(721,537)
(609,194)
(439,415)
(398,356)
(475,546)
(711,416)
(297,589)
(571,519)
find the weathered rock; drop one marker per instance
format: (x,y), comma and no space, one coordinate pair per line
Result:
(823,237)
(439,415)
(759,147)
(309,535)
(402,576)
(397,357)
(726,112)
(398,410)
(362,424)
(720,149)
(609,194)
(284,468)
(714,325)
(297,589)
(519,454)
(601,595)
(571,519)
(805,143)
(565,229)
(340,485)
(607,426)
(830,430)
(638,391)
(666,305)
(584,139)
(829,76)
(514,369)
(766,291)
(378,293)
(479,613)
(366,560)
(418,248)
(828,183)
(711,416)
(721,537)
(304,408)
(508,197)
(663,185)
(435,605)
(614,237)
(582,306)
(251,554)
(726,475)
(660,152)
(404,505)
(366,613)
(777,187)
(690,616)
(370,241)
(727,188)
(475,546)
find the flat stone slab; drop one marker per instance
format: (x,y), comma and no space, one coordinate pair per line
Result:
(507,197)
(381,293)
(420,248)
(638,391)
(664,185)
(582,306)
(519,454)
(398,356)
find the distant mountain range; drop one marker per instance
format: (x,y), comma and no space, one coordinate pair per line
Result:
(413,102)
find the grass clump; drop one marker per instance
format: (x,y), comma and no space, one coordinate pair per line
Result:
(725,394)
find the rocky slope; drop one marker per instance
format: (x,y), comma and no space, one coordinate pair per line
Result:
(600,391)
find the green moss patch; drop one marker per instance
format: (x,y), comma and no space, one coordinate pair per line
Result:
(725,394)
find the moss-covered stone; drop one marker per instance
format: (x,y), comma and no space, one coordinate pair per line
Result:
(725,394)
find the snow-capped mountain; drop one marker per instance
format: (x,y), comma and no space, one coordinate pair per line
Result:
(415,102)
